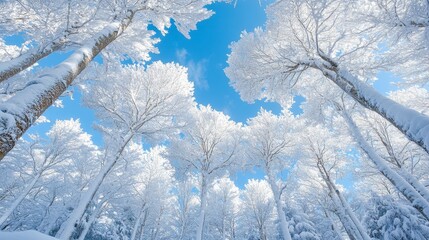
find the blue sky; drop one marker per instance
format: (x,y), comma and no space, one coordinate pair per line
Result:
(205,56)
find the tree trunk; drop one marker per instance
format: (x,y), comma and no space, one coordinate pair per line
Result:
(203,196)
(416,200)
(21,197)
(351,214)
(281,214)
(262,234)
(136,227)
(68,227)
(92,218)
(413,124)
(345,207)
(88,224)
(20,111)
(11,68)
(334,227)
(345,220)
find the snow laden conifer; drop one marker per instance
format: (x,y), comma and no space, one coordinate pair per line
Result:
(386,218)
(301,228)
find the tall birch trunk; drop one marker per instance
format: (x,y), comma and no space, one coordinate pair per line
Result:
(415,183)
(333,225)
(136,227)
(344,219)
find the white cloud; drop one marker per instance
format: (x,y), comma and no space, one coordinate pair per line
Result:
(196,70)
(42,119)
(181,55)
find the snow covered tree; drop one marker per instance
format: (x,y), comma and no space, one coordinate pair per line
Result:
(405,157)
(305,39)
(389,219)
(224,200)
(155,200)
(132,103)
(258,213)
(126,25)
(404,28)
(187,207)
(270,146)
(302,227)
(325,154)
(67,143)
(209,146)
(46,27)
(408,187)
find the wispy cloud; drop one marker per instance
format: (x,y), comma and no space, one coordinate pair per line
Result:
(196,69)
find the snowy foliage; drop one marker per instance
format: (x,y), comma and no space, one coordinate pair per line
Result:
(137,100)
(389,219)
(300,227)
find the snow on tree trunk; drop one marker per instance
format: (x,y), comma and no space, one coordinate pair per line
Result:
(352,226)
(352,216)
(417,185)
(11,68)
(281,214)
(416,200)
(344,204)
(334,227)
(68,227)
(341,214)
(19,112)
(92,218)
(136,227)
(87,226)
(18,200)
(413,124)
(203,197)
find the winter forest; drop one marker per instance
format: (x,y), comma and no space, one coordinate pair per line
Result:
(337,157)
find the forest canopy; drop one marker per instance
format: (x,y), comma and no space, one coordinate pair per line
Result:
(339,158)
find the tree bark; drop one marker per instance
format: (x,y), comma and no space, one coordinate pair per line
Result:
(19,112)
(334,227)
(417,185)
(11,68)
